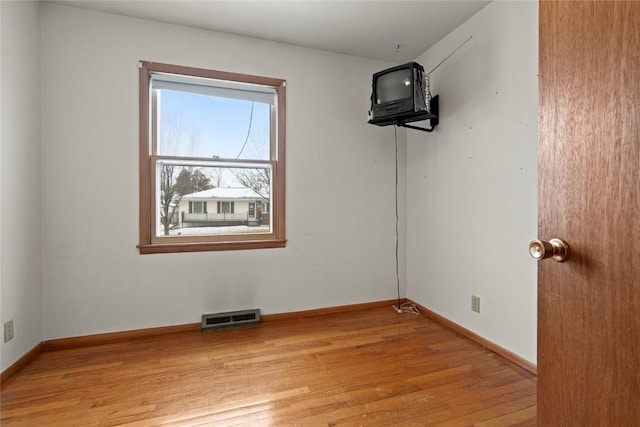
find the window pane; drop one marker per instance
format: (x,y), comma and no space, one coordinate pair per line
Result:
(211,200)
(196,125)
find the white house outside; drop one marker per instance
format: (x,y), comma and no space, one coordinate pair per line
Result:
(224,206)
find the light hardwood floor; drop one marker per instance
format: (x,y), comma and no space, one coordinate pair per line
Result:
(371,367)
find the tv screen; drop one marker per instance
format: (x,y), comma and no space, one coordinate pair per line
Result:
(394,85)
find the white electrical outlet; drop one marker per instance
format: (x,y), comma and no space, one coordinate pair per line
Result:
(475,303)
(8,330)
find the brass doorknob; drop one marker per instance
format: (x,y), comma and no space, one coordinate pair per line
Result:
(556,249)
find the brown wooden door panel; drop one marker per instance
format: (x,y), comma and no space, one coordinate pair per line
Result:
(589,195)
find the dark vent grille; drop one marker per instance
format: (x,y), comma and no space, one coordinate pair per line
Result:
(218,320)
(243,317)
(232,319)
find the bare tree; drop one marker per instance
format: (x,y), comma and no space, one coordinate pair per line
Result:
(215,177)
(258,179)
(172,142)
(167,195)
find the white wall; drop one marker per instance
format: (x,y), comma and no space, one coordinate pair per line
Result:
(20,231)
(470,198)
(472,190)
(340,182)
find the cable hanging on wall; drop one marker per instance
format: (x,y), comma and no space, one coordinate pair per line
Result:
(407,307)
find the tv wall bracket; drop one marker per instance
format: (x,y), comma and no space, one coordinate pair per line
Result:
(432,116)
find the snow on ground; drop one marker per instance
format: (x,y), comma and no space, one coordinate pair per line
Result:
(208,231)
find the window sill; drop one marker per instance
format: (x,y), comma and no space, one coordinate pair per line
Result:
(163,248)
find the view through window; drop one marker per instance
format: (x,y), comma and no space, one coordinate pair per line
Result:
(212,160)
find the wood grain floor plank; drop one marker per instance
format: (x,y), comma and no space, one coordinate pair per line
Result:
(370,367)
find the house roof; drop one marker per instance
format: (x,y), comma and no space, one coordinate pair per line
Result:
(224,193)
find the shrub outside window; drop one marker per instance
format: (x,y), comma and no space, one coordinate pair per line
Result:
(212,171)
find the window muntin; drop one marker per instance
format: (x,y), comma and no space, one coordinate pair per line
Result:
(208,135)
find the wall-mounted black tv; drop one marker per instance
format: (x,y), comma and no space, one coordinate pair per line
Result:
(399,96)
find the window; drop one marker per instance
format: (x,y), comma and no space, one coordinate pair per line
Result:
(225,207)
(197,207)
(211,148)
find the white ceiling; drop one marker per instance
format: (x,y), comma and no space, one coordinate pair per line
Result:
(365,28)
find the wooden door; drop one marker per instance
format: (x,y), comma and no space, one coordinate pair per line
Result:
(589,195)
